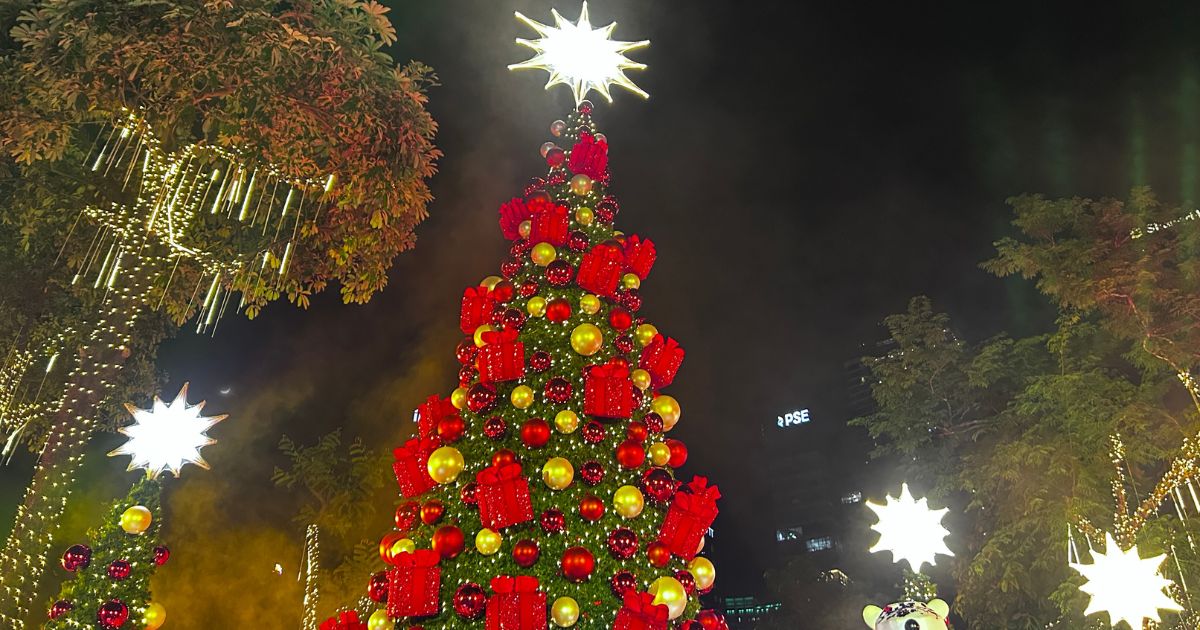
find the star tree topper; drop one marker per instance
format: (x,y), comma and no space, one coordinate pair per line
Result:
(910,529)
(167,436)
(1127,587)
(578,56)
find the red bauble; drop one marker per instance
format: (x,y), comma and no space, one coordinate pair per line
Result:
(658,485)
(558,310)
(593,432)
(630,454)
(592,472)
(112,614)
(623,344)
(119,569)
(620,319)
(555,157)
(631,300)
(509,268)
(637,431)
(578,241)
(494,427)
(691,624)
(466,351)
(622,543)
(504,291)
(538,195)
(377,588)
(407,514)
(525,553)
(558,390)
(622,582)
(654,422)
(585,107)
(685,578)
(503,457)
(497,316)
(553,521)
(466,374)
(559,273)
(658,554)
(591,508)
(535,433)
(540,361)
(161,555)
(451,428)
(60,608)
(431,511)
(528,289)
(577,564)
(709,620)
(481,398)
(520,248)
(77,557)
(469,493)
(513,319)
(448,541)
(470,601)
(556,178)
(679,453)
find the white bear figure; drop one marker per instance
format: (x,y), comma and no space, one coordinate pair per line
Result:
(908,616)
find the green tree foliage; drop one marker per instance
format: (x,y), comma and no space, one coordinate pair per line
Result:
(91,587)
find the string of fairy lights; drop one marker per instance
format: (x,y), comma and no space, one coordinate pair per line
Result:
(310,573)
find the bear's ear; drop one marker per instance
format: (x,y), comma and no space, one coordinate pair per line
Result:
(871,615)
(940,607)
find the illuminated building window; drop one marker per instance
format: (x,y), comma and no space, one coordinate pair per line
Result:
(788,534)
(851,498)
(820,543)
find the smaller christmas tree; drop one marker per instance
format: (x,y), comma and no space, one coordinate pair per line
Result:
(111,589)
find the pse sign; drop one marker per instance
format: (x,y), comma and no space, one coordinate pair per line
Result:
(793,418)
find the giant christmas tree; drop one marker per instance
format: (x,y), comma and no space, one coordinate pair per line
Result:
(542,489)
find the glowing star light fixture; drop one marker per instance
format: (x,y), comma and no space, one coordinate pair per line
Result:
(1124,585)
(581,57)
(910,529)
(167,436)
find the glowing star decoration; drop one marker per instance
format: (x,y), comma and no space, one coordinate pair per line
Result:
(1124,585)
(910,529)
(167,436)
(580,57)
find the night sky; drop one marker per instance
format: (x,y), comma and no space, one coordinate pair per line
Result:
(804,169)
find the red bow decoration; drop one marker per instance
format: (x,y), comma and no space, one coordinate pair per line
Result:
(506,584)
(345,620)
(662,358)
(612,369)
(412,472)
(639,612)
(513,213)
(589,157)
(498,473)
(503,496)
(417,559)
(639,255)
(516,604)
(499,336)
(548,223)
(433,409)
(416,448)
(699,487)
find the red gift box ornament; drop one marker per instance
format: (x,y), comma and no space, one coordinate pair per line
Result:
(477,307)
(503,496)
(412,466)
(661,358)
(640,613)
(430,412)
(589,157)
(692,512)
(502,358)
(517,604)
(639,256)
(548,223)
(345,620)
(607,391)
(413,584)
(512,214)
(600,269)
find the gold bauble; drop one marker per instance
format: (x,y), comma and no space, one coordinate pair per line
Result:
(155,616)
(585,216)
(640,378)
(445,464)
(490,282)
(478,337)
(543,254)
(659,453)
(631,281)
(587,339)
(645,334)
(566,421)
(581,184)
(589,304)
(700,547)
(404,545)
(668,408)
(458,397)
(564,612)
(136,519)
(669,592)
(379,621)
(703,571)
(628,501)
(521,397)
(558,473)
(525,228)
(536,306)
(487,541)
